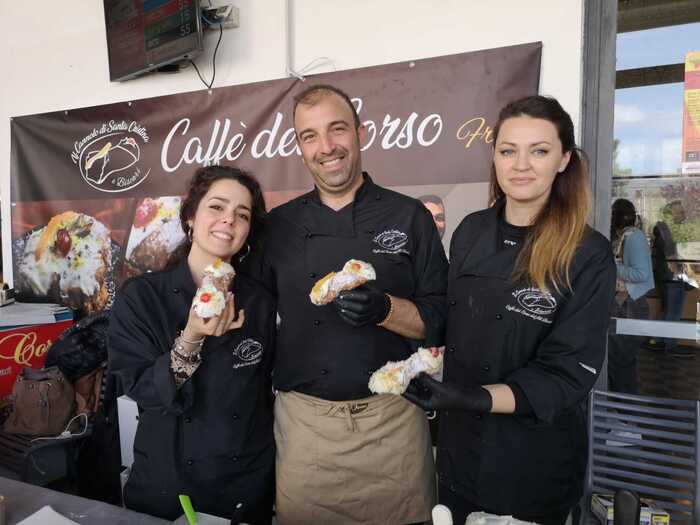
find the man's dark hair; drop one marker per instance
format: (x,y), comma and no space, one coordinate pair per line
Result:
(312,94)
(433,199)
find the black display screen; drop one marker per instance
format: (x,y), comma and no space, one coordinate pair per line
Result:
(143,35)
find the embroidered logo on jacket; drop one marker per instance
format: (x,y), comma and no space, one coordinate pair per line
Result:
(247,353)
(534,303)
(391,241)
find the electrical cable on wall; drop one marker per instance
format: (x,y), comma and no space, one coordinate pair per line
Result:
(315,63)
(213,60)
(289,42)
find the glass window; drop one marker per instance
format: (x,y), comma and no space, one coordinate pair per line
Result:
(648,130)
(657,46)
(664,205)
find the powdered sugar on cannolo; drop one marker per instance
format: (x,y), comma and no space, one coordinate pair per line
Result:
(209,301)
(219,274)
(394,377)
(353,274)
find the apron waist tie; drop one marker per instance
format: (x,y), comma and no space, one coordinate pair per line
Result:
(348,410)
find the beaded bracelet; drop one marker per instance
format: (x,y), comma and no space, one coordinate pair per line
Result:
(388,314)
(184,354)
(183,366)
(197,342)
(194,357)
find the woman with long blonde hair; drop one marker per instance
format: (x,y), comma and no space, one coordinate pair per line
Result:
(530,290)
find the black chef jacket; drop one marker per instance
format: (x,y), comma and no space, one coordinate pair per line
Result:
(549,345)
(317,352)
(211,438)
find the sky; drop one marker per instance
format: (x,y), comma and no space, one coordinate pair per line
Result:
(649,120)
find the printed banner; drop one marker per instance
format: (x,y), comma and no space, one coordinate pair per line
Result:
(690,162)
(96,191)
(25,347)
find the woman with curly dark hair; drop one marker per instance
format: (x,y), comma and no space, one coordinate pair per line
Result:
(202,385)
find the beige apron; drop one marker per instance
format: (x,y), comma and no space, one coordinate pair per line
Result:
(366,461)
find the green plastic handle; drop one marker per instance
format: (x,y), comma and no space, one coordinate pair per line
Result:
(186,504)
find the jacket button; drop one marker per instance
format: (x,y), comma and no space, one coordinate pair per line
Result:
(452,303)
(188,420)
(378,197)
(451,349)
(190,462)
(312,274)
(369,372)
(176,290)
(309,235)
(236,416)
(477,416)
(316,322)
(486,368)
(304,201)
(324,371)
(234,458)
(499,316)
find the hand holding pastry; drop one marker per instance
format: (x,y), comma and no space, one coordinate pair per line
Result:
(363,305)
(430,394)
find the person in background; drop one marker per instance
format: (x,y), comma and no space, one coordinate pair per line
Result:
(530,292)
(634,280)
(436,207)
(344,455)
(203,386)
(667,274)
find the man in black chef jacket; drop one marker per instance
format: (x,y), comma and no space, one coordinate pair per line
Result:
(344,455)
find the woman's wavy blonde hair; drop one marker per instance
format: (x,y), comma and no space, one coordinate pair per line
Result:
(558,228)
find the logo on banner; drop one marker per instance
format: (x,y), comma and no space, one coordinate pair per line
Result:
(108,157)
(391,241)
(248,352)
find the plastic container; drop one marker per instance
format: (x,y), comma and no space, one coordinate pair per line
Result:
(203,519)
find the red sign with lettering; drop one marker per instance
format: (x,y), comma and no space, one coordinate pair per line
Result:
(25,346)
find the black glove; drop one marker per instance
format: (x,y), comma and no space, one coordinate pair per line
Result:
(430,394)
(363,305)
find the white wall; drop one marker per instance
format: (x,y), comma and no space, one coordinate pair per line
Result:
(54,54)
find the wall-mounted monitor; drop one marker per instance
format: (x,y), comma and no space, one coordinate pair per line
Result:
(143,35)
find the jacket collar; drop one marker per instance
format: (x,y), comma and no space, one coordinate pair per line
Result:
(182,278)
(485,258)
(317,219)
